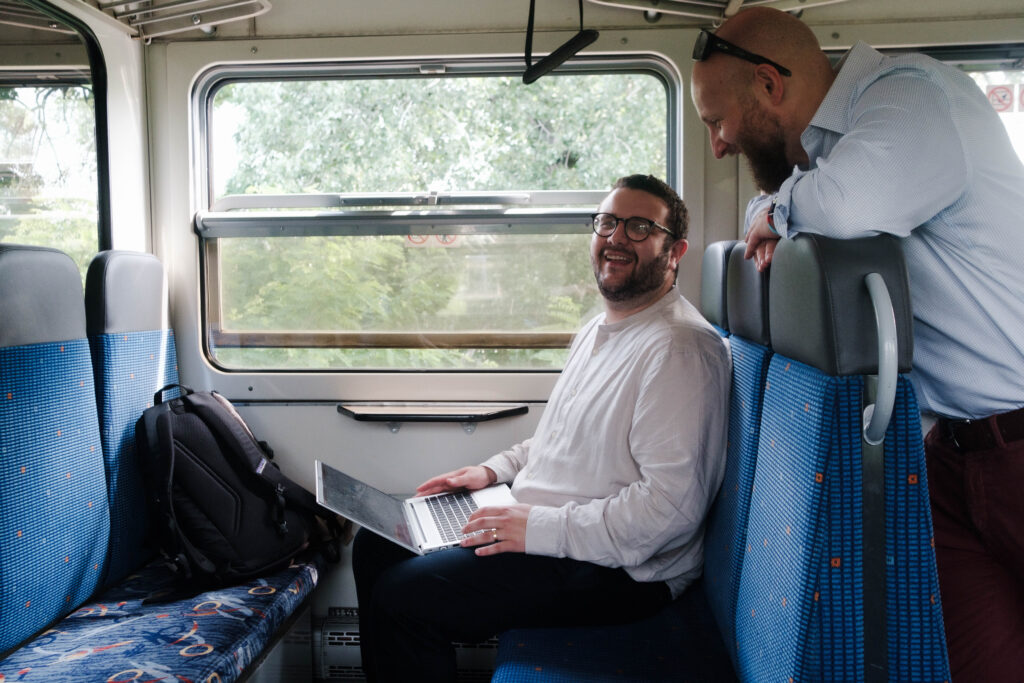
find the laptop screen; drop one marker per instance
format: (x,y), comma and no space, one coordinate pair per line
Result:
(364,504)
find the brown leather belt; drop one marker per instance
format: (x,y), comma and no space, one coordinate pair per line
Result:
(983,433)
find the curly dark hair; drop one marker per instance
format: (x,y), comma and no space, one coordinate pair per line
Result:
(678,217)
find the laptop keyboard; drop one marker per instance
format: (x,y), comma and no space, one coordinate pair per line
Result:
(451,513)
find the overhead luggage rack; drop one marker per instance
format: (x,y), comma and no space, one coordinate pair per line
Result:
(151,18)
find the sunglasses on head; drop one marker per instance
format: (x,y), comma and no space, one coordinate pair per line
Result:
(708,43)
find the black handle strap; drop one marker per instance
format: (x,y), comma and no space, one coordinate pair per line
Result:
(158,397)
(529,36)
(529,32)
(561,53)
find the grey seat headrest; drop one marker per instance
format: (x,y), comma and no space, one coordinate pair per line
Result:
(125,291)
(714,266)
(747,291)
(40,296)
(820,310)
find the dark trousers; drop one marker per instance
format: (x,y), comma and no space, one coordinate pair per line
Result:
(412,608)
(978,514)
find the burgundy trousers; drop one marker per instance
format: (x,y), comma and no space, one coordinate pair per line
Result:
(978,513)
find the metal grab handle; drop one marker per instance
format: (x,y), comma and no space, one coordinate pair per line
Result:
(878,414)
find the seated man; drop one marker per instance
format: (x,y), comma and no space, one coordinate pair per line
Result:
(612,489)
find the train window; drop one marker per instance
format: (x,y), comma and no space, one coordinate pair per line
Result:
(1005,91)
(48,155)
(427,217)
(997,70)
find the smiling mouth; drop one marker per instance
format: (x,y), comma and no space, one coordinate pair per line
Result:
(617,257)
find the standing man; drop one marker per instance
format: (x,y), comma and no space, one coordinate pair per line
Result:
(908,146)
(612,489)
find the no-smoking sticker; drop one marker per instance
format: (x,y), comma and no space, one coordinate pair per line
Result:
(1000,97)
(425,241)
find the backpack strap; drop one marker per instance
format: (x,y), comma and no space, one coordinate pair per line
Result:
(158,397)
(217,412)
(164,433)
(222,417)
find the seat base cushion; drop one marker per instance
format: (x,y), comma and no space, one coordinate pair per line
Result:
(210,636)
(680,643)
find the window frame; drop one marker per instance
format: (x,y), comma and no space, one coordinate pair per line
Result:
(311,214)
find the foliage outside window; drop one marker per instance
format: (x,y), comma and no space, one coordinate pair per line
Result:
(393,288)
(48,185)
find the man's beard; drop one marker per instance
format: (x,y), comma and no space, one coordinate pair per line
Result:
(763,143)
(646,278)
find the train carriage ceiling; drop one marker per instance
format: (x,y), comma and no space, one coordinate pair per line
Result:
(343,18)
(184,20)
(151,18)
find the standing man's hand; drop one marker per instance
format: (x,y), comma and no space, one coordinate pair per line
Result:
(503,529)
(471,478)
(761,241)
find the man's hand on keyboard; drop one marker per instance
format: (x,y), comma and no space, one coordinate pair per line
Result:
(470,478)
(497,529)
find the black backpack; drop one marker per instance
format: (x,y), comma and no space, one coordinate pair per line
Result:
(224,512)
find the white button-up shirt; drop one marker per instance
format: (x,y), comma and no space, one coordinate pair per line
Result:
(630,451)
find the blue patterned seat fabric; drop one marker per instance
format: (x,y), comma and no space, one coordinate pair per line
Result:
(916,635)
(60,465)
(213,636)
(801,604)
(800,587)
(134,355)
(54,525)
(802,608)
(126,379)
(726,534)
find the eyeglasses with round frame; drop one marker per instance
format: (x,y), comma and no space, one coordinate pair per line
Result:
(637,228)
(708,43)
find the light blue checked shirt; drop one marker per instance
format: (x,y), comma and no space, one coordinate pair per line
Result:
(909,146)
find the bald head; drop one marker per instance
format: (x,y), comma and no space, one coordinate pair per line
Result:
(730,92)
(777,35)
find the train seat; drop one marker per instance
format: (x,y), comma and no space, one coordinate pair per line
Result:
(54,524)
(144,626)
(682,638)
(134,355)
(838,580)
(713,273)
(750,348)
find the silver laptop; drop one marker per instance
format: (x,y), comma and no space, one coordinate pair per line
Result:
(422,524)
